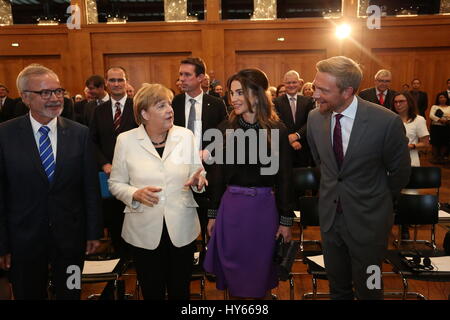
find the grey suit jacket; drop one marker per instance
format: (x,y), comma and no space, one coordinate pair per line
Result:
(376,167)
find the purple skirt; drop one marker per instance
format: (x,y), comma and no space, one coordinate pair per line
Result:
(241,249)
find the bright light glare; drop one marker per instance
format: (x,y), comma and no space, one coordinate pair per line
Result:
(343,31)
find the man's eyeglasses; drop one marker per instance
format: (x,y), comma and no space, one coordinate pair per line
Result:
(47,93)
(383,81)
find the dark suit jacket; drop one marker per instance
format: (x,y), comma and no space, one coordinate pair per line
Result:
(84,111)
(21,109)
(102,132)
(35,213)
(213,112)
(421,99)
(370,95)
(301,157)
(376,167)
(7,111)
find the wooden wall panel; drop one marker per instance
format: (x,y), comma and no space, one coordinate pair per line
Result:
(11,66)
(411,47)
(151,68)
(276,63)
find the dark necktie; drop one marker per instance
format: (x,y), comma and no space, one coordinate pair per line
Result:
(337,141)
(338,150)
(191,119)
(117,117)
(46,152)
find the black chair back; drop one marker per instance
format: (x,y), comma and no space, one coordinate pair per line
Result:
(417,209)
(305,179)
(424,178)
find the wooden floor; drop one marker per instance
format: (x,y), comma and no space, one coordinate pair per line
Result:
(303,284)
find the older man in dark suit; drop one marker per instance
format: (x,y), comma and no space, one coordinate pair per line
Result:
(49,192)
(363,155)
(380,94)
(293,110)
(109,120)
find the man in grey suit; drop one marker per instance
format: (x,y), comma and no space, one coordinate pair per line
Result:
(362,152)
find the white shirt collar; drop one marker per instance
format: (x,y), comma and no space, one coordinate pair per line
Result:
(384,92)
(105,98)
(350,111)
(289,97)
(198,98)
(37,125)
(122,101)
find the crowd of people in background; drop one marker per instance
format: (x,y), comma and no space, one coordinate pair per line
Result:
(127,129)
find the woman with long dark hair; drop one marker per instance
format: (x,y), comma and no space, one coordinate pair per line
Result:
(254,201)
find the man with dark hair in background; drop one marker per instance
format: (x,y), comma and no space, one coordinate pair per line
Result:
(420,97)
(84,110)
(198,112)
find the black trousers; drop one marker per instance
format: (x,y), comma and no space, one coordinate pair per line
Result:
(30,277)
(165,268)
(347,262)
(113,217)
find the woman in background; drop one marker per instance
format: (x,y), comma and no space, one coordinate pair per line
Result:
(416,132)
(440,129)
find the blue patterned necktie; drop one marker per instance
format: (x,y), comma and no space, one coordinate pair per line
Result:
(46,153)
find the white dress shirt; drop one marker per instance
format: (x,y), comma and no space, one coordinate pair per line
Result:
(198,117)
(122,105)
(346,121)
(53,134)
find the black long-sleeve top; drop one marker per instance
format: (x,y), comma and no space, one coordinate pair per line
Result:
(248,173)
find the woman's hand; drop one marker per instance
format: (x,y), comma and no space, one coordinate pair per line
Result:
(210,226)
(198,179)
(147,195)
(285,232)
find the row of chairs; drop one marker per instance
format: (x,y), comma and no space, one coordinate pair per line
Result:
(413,209)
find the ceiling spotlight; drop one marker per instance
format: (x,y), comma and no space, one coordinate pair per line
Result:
(343,31)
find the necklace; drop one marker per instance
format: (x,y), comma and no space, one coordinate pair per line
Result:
(159,143)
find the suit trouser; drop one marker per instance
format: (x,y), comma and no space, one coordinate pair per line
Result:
(113,220)
(166,267)
(29,278)
(346,263)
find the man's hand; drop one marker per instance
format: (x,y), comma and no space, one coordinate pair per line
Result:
(296,145)
(292,137)
(92,246)
(107,168)
(5,261)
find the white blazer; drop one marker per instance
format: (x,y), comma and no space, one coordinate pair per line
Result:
(136,165)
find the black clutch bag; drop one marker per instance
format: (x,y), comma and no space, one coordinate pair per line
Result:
(439,113)
(284,257)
